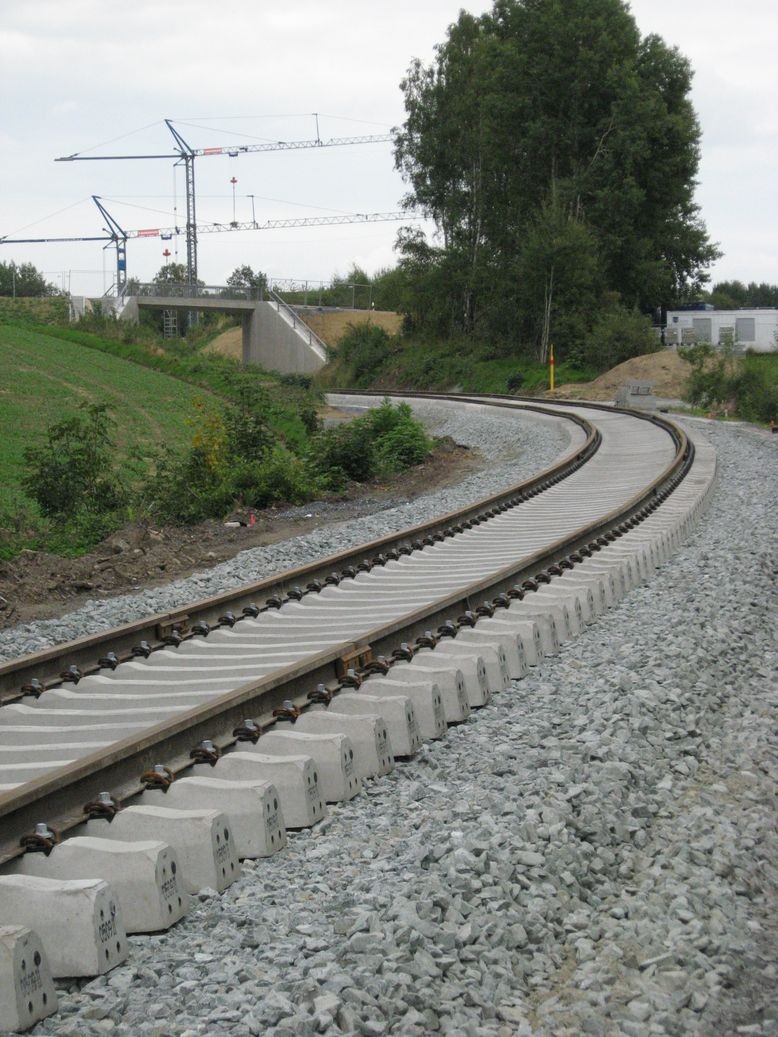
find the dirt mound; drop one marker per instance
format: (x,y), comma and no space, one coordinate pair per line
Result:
(229,343)
(331,325)
(665,369)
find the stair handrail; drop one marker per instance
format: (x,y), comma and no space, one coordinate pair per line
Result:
(313,339)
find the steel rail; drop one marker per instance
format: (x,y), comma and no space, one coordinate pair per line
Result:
(46,665)
(57,797)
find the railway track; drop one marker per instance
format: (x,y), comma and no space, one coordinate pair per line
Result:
(217,728)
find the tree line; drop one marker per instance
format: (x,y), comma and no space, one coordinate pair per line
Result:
(556,151)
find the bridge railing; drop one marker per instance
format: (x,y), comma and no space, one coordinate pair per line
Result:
(195,291)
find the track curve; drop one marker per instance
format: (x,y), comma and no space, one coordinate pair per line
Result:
(113,724)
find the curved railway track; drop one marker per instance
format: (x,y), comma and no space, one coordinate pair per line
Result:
(300,686)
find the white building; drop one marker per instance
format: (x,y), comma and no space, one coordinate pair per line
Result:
(746,329)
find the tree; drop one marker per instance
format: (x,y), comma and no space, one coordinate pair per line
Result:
(245,277)
(557,107)
(171,273)
(74,469)
(24,280)
(729,295)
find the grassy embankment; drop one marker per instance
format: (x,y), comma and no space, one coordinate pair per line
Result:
(44,378)
(194,435)
(24,310)
(369,358)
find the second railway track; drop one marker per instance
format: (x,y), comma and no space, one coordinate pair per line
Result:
(343,664)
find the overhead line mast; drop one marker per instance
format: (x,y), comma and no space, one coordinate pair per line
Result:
(186,154)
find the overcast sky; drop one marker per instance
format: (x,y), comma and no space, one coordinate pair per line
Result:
(77,74)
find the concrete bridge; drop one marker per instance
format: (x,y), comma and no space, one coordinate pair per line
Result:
(273,335)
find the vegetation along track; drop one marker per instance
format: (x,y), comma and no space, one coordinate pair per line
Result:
(341,665)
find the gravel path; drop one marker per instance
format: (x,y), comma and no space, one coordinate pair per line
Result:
(514,445)
(593,853)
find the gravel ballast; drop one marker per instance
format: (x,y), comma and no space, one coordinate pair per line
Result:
(514,445)
(592,853)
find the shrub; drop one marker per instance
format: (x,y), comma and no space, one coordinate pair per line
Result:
(344,452)
(186,488)
(515,381)
(363,349)
(296,381)
(73,472)
(403,446)
(387,439)
(281,477)
(617,335)
(248,435)
(718,378)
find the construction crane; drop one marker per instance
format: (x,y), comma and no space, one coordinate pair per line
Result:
(115,235)
(186,154)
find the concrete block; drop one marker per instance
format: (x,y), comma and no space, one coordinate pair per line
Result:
(509,647)
(202,840)
(579,602)
(145,876)
(527,631)
(594,585)
(478,664)
(424,695)
(295,775)
(585,574)
(494,661)
(373,751)
(252,807)
(545,621)
(26,988)
(79,921)
(332,753)
(450,680)
(396,711)
(471,665)
(556,611)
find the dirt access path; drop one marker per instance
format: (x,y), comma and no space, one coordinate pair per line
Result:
(36,585)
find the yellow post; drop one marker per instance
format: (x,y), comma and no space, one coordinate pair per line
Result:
(551,369)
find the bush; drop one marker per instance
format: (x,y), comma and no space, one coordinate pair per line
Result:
(515,381)
(281,477)
(363,349)
(342,453)
(719,379)
(404,446)
(756,389)
(385,440)
(73,472)
(617,335)
(186,488)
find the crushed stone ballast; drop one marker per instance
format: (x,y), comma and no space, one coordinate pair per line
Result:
(357,672)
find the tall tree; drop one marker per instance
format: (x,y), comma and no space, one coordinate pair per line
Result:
(245,277)
(555,107)
(24,279)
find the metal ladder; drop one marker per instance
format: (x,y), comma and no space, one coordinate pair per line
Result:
(169,323)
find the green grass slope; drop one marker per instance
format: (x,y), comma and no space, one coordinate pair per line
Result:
(42,378)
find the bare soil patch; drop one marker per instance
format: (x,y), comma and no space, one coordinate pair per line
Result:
(36,585)
(665,369)
(331,325)
(229,343)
